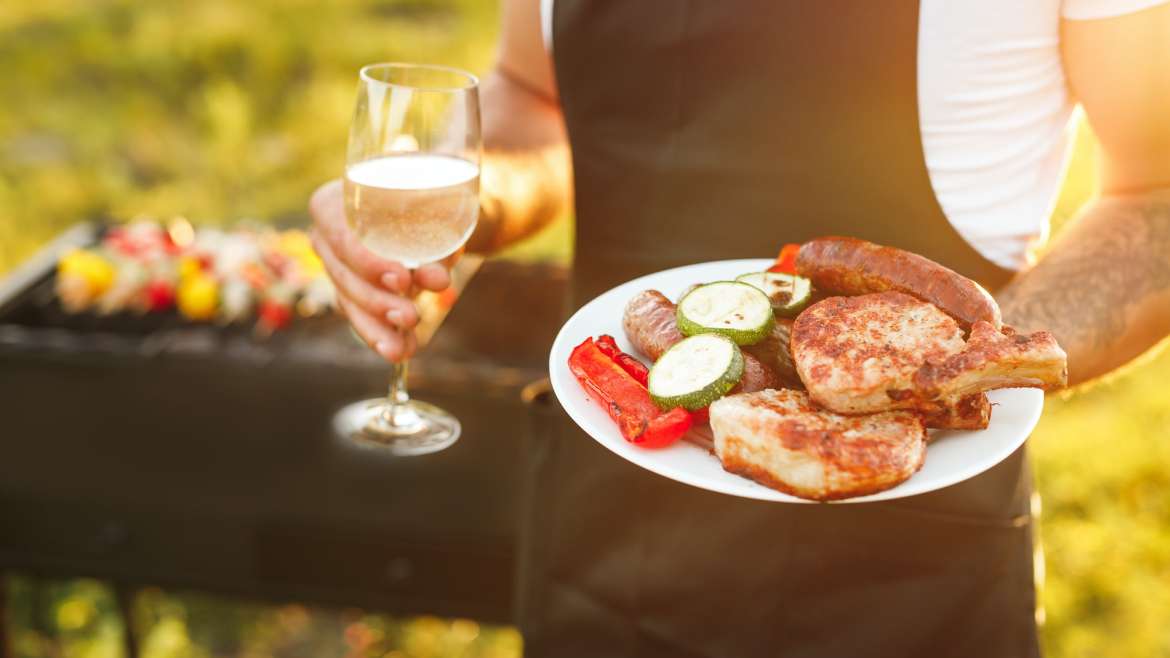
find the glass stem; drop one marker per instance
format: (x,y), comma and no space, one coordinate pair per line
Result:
(397,397)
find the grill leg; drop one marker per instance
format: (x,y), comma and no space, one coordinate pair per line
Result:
(125,595)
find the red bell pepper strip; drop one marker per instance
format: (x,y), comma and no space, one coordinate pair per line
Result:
(637,369)
(630,364)
(786,261)
(627,401)
(607,345)
(666,428)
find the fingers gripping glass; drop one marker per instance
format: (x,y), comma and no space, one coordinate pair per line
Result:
(411,195)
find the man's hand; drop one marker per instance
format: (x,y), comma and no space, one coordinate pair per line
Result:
(371,291)
(525,182)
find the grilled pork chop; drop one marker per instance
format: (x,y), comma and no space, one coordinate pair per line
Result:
(968,412)
(781,440)
(995,359)
(851,351)
(886,351)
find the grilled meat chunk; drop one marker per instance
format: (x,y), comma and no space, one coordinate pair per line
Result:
(781,440)
(969,412)
(887,351)
(995,359)
(859,355)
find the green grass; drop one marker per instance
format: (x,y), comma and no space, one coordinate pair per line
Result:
(220,109)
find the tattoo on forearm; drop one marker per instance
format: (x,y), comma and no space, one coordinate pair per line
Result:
(1113,259)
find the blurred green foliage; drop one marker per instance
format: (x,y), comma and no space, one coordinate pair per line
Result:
(1101,457)
(221,109)
(215,109)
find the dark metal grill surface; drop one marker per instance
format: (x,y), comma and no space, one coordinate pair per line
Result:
(151,450)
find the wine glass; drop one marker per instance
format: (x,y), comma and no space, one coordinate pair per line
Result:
(411,192)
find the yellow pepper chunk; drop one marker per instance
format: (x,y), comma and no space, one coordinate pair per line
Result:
(97,272)
(198,296)
(189,267)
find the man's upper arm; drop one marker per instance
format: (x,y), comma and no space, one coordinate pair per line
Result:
(523,58)
(1119,70)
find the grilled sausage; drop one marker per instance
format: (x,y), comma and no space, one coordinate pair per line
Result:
(775,351)
(848,266)
(649,323)
(756,377)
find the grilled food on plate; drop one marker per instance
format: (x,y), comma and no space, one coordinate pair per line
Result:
(885,351)
(775,353)
(994,359)
(650,323)
(851,351)
(779,438)
(848,266)
(967,412)
(899,345)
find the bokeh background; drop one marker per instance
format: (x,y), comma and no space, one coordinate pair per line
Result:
(219,110)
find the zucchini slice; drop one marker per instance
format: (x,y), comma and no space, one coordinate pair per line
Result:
(695,372)
(788,293)
(734,309)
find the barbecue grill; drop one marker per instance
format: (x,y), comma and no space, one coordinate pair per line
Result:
(147,449)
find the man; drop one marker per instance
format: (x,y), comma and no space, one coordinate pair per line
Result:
(709,130)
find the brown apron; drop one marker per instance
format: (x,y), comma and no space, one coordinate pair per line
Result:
(704,130)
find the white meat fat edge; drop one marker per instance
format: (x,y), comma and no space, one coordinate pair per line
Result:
(679,372)
(715,305)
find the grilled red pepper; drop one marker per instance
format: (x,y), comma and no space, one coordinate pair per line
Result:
(160,295)
(637,369)
(607,345)
(666,428)
(630,364)
(626,400)
(273,315)
(786,261)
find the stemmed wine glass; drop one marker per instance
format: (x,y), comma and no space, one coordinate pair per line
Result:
(412,195)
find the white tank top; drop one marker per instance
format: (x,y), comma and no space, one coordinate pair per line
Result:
(994,110)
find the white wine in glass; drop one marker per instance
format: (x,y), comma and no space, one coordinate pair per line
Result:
(411,195)
(414,209)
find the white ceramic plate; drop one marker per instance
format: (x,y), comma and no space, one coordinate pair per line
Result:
(954,455)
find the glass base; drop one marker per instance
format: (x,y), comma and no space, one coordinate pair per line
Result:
(417,428)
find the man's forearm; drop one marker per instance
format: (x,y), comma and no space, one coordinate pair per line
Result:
(1103,287)
(526,177)
(520,192)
